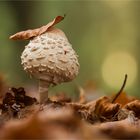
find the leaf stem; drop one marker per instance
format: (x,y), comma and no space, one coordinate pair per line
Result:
(121,89)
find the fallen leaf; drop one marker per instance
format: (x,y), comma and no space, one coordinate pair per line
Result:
(121,96)
(12,103)
(84,111)
(134,106)
(21,97)
(23,35)
(51,124)
(122,99)
(92,92)
(124,129)
(104,109)
(122,114)
(23,129)
(82,96)
(61,97)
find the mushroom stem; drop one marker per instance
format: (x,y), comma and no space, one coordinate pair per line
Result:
(43,91)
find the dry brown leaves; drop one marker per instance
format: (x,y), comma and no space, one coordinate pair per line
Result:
(125,129)
(98,119)
(28,34)
(104,109)
(14,101)
(61,97)
(134,106)
(51,124)
(26,129)
(123,99)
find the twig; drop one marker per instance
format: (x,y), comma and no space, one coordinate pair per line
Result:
(120,91)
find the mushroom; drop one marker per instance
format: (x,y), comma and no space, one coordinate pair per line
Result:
(50,58)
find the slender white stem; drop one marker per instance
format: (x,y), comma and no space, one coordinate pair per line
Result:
(43,90)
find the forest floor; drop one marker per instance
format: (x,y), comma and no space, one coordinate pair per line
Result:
(22,117)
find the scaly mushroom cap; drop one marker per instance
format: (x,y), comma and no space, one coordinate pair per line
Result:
(50,57)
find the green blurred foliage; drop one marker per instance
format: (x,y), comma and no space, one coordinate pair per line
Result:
(93,27)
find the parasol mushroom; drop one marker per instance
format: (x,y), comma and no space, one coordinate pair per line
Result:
(49,56)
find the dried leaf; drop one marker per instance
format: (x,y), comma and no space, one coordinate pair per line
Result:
(23,129)
(23,35)
(134,106)
(82,97)
(28,111)
(12,104)
(83,111)
(62,97)
(122,99)
(51,124)
(122,114)
(125,129)
(98,110)
(22,98)
(104,109)
(92,92)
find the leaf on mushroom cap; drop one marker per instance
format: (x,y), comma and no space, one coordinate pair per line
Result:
(24,35)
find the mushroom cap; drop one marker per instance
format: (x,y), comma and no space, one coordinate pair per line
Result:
(50,57)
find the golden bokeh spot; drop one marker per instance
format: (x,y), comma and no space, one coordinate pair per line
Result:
(116,65)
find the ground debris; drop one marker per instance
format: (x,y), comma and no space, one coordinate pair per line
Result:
(61,98)
(134,106)
(104,109)
(124,129)
(14,101)
(63,118)
(51,124)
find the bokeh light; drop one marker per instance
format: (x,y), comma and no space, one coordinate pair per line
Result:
(116,65)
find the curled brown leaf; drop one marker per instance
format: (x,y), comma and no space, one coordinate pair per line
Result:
(82,97)
(124,129)
(104,109)
(123,99)
(51,124)
(61,97)
(23,35)
(134,106)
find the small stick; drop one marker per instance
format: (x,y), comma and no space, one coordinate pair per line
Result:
(120,91)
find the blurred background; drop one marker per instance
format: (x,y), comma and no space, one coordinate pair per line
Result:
(104,33)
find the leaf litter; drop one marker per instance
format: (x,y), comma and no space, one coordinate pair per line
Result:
(22,117)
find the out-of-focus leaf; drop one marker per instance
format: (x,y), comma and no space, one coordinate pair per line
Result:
(82,96)
(122,99)
(104,109)
(62,97)
(124,129)
(12,104)
(134,106)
